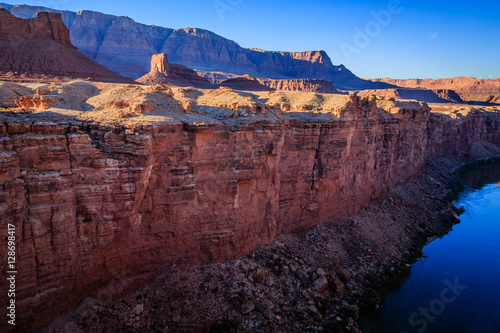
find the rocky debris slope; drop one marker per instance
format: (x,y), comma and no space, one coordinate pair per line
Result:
(163,72)
(421,95)
(41,48)
(315,281)
(122,45)
(461,85)
(113,178)
(245,82)
(306,85)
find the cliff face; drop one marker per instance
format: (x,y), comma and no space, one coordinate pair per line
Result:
(43,26)
(461,85)
(124,46)
(93,201)
(41,47)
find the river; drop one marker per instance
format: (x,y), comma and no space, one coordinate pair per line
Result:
(457,287)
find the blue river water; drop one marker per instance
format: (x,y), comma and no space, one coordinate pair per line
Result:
(457,287)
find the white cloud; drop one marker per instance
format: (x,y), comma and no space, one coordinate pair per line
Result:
(434,35)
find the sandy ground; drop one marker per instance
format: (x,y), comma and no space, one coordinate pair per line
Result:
(131,105)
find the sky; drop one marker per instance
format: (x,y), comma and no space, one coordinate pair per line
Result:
(380,38)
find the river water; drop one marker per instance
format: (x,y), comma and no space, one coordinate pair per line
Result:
(457,287)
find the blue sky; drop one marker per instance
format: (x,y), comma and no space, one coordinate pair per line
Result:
(390,38)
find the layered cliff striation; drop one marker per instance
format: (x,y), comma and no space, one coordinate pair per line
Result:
(41,48)
(112,178)
(124,46)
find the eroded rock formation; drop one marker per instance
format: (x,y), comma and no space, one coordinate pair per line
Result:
(41,48)
(94,198)
(163,72)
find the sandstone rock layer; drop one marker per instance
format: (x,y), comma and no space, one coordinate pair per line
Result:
(41,48)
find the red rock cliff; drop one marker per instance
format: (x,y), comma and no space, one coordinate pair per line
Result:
(41,47)
(93,203)
(44,25)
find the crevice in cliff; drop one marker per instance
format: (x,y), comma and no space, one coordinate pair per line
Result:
(318,166)
(101,41)
(69,152)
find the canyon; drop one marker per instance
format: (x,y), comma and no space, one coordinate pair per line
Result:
(126,47)
(97,184)
(200,194)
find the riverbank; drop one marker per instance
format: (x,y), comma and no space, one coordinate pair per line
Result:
(310,282)
(466,256)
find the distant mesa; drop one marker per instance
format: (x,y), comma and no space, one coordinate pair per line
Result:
(421,95)
(164,72)
(245,82)
(40,48)
(471,90)
(461,85)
